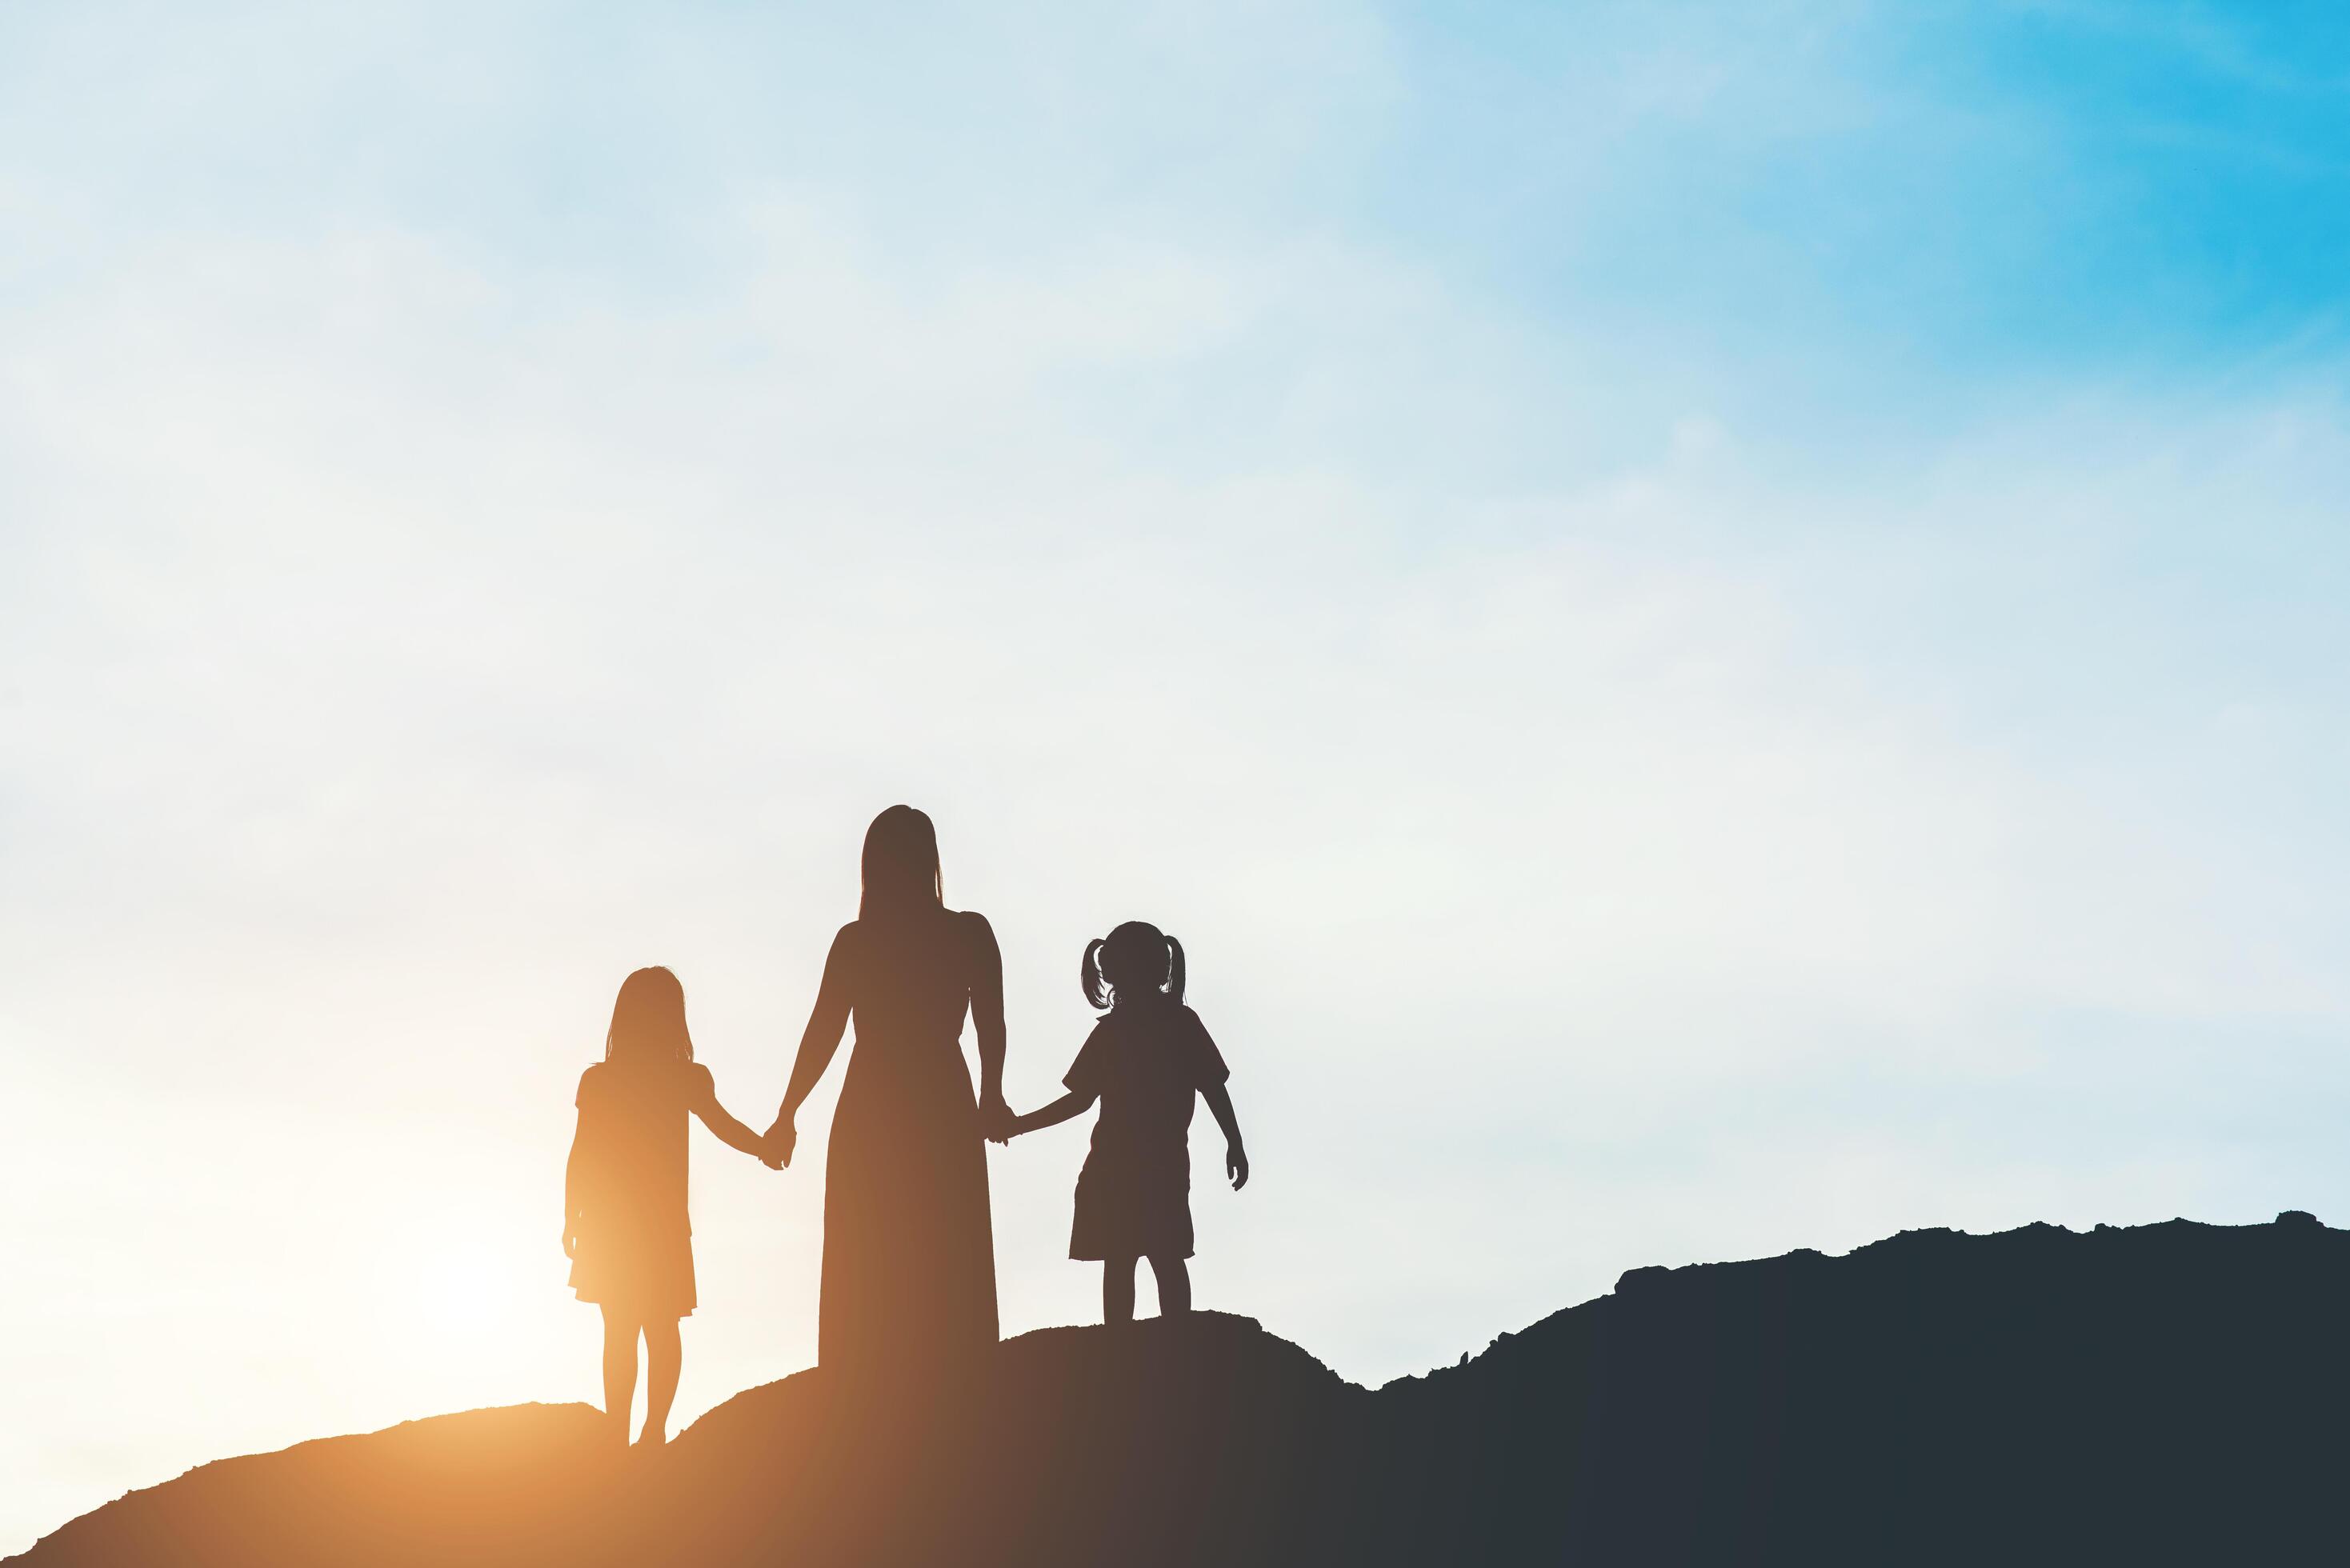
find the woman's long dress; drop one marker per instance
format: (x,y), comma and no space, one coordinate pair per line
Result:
(909,1249)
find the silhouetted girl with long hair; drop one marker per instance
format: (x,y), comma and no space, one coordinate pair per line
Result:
(624,1191)
(1146,1061)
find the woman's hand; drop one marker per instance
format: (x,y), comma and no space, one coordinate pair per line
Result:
(997,1122)
(781,1139)
(1236,1164)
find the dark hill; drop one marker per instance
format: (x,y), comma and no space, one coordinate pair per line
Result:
(475,1487)
(2174,1393)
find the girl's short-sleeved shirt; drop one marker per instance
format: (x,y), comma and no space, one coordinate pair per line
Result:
(632,1121)
(1147,1062)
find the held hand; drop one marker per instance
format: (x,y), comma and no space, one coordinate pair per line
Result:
(1236,1165)
(781,1139)
(997,1122)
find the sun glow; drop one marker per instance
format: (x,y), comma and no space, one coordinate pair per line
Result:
(469,1289)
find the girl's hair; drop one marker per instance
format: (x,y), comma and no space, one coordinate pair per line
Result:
(1135,961)
(900,868)
(649,1020)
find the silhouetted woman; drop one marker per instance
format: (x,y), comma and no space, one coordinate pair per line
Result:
(625,1226)
(908,1251)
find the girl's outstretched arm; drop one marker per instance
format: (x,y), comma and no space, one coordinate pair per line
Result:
(1075,1103)
(731,1133)
(827,1021)
(1220,1105)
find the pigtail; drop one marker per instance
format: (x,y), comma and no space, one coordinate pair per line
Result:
(1090,975)
(1174,972)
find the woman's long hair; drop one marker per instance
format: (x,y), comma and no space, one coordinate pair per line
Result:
(900,866)
(1136,960)
(649,1020)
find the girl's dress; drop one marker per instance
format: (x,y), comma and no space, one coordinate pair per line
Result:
(1147,1060)
(635,1248)
(909,1250)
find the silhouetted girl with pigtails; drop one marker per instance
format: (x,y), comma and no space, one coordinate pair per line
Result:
(1145,1062)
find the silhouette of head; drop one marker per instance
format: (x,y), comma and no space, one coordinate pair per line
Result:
(902,865)
(649,1020)
(1135,961)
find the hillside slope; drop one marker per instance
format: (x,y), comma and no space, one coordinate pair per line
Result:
(2171,1393)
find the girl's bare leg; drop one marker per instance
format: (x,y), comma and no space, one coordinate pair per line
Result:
(664,1355)
(1174,1286)
(1118,1290)
(620,1373)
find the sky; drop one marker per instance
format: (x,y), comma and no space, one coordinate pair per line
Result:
(1717,624)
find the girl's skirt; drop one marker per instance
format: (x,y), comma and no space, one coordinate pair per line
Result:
(1133,1204)
(636,1264)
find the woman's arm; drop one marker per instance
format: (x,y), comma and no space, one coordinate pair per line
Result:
(1220,1105)
(825,1023)
(987,1022)
(1075,1103)
(731,1133)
